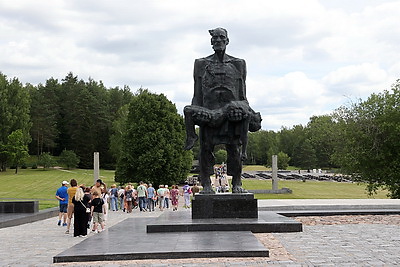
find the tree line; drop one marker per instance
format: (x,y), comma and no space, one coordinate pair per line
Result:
(305,147)
(140,134)
(361,139)
(70,114)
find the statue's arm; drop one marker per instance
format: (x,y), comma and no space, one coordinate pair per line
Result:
(198,94)
(242,86)
(255,117)
(198,113)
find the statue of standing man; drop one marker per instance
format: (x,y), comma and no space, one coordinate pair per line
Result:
(220,108)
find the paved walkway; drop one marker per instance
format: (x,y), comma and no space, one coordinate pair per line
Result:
(36,243)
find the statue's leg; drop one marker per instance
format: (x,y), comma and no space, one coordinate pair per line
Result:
(234,164)
(207,161)
(191,136)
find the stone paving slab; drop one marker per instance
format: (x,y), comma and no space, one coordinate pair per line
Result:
(36,243)
(345,245)
(128,240)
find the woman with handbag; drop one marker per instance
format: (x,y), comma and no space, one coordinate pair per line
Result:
(81,202)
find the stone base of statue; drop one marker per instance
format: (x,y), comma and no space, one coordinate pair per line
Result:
(227,205)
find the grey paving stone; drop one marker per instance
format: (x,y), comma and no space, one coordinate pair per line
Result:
(34,244)
(351,244)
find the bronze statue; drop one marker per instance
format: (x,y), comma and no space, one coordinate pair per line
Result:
(220,108)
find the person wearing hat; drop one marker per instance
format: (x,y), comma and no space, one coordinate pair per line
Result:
(62,196)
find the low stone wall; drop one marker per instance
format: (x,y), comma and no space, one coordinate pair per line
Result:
(14,219)
(19,206)
(279,191)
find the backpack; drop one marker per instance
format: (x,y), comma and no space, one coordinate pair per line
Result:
(186,189)
(114,192)
(129,195)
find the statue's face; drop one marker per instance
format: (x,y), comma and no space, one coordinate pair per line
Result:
(219,40)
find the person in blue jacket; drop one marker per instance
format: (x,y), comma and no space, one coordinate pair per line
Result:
(62,196)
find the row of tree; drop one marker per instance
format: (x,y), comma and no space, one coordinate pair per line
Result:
(306,147)
(68,115)
(141,134)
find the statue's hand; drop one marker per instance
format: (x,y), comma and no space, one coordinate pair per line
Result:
(236,114)
(202,116)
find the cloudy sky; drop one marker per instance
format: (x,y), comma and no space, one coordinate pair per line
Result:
(304,58)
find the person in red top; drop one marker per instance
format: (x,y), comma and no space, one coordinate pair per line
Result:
(174,197)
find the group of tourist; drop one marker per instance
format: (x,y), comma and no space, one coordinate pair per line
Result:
(221,182)
(146,198)
(83,204)
(92,203)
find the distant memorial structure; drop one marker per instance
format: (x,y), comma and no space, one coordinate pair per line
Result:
(96,166)
(220,107)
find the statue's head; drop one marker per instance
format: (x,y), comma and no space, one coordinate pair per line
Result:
(219,39)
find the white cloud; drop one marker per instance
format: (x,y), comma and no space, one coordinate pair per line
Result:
(304,57)
(357,80)
(288,100)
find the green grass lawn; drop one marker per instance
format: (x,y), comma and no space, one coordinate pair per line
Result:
(312,190)
(39,184)
(308,189)
(263,168)
(255,168)
(42,184)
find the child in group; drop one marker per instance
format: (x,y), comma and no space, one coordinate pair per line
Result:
(97,211)
(187,191)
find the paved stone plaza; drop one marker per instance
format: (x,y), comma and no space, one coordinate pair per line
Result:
(325,241)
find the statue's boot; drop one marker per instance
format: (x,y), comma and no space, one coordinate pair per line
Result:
(207,190)
(238,189)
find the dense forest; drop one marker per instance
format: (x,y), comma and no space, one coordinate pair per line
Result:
(362,139)
(70,114)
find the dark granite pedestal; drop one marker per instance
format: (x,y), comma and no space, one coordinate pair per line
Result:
(111,244)
(19,206)
(267,222)
(227,205)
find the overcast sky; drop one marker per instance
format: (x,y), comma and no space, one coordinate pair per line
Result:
(304,58)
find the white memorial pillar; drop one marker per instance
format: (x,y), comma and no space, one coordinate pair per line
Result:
(96,167)
(274,172)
